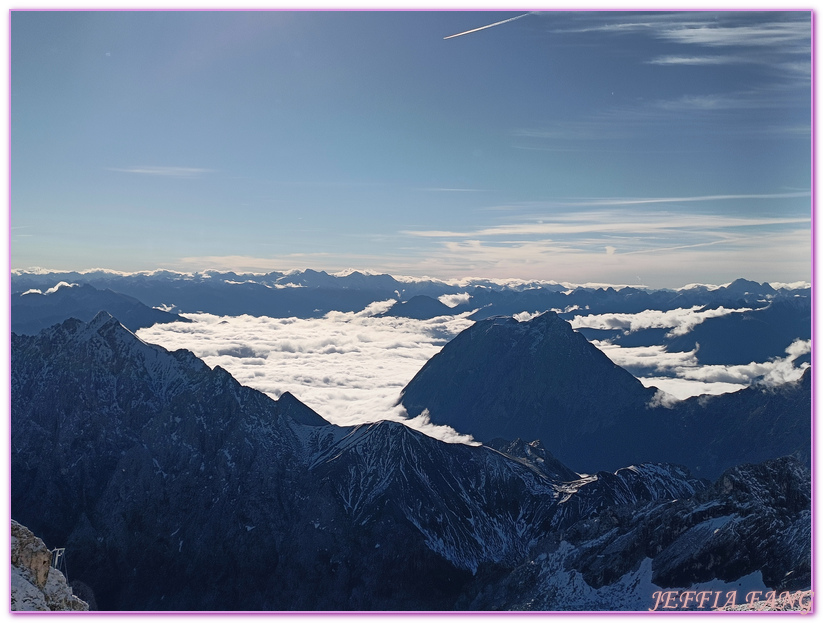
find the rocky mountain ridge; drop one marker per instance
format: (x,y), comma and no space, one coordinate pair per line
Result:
(174,487)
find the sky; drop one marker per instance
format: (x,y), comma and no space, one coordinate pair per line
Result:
(652,148)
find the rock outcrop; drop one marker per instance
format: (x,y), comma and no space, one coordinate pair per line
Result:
(35,585)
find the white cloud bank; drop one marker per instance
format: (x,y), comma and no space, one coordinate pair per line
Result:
(453,300)
(349,367)
(679,375)
(681,320)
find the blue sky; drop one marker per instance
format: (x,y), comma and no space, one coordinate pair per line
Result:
(643,148)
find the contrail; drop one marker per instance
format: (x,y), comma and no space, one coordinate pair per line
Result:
(468,32)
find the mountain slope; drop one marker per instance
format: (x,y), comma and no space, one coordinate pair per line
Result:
(137,458)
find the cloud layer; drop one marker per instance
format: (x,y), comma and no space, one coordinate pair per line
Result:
(681,321)
(349,367)
(680,375)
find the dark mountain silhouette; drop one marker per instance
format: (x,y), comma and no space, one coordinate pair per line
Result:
(419,307)
(33,311)
(536,380)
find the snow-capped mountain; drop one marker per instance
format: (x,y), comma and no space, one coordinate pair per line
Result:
(749,531)
(276,293)
(174,487)
(539,379)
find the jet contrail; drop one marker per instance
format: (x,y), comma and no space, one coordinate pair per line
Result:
(468,32)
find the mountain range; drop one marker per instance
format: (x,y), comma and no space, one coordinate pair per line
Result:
(775,317)
(173,487)
(32,311)
(270,293)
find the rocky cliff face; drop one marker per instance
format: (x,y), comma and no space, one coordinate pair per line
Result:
(750,530)
(35,585)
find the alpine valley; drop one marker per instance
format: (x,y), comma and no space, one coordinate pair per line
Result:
(174,487)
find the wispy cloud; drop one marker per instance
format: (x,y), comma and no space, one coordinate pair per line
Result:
(796,34)
(163,171)
(452,190)
(789,32)
(607,222)
(621,253)
(699,60)
(775,45)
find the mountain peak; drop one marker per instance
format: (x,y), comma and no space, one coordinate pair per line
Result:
(298,411)
(746,286)
(100,320)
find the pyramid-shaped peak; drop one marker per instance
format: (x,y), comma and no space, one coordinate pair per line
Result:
(100,320)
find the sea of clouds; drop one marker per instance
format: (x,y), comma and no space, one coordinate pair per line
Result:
(679,374)
(351,367)
(679,321)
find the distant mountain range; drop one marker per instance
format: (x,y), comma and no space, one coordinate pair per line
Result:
(540,379)
(33,311)
(777,316)
(277,293)
(175,488)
